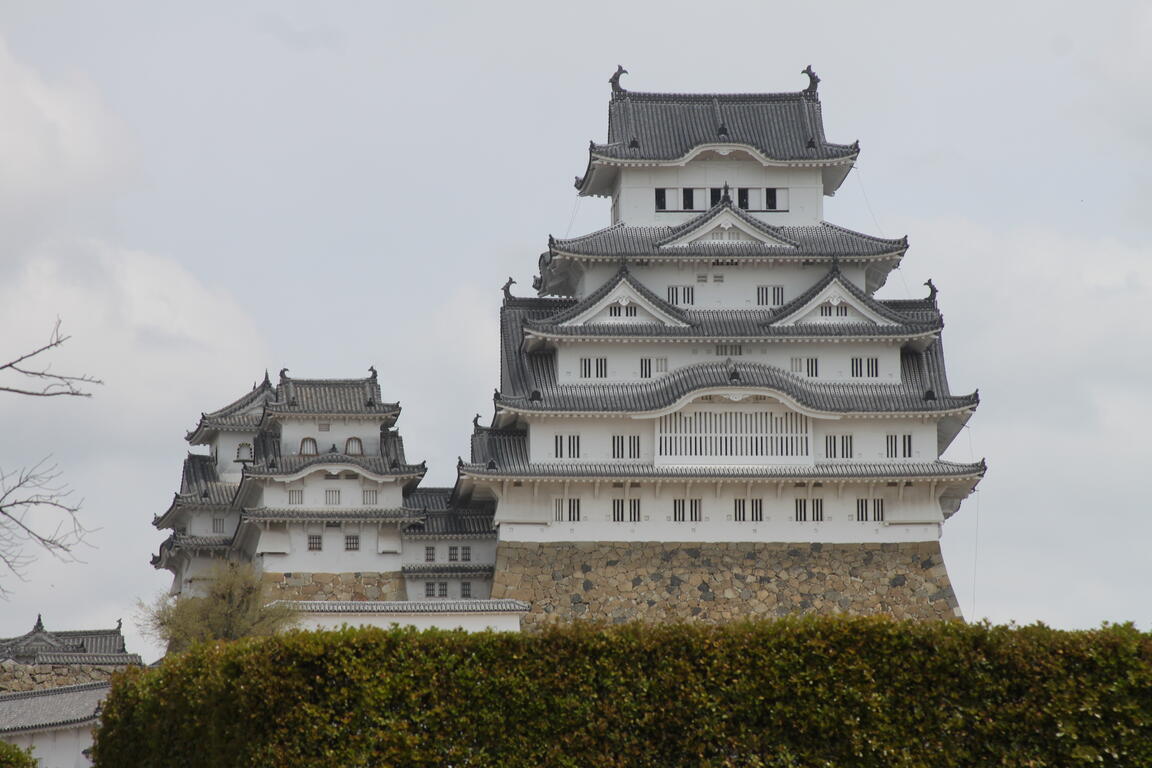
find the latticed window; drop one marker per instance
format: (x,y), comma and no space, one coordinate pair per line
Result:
(453,554)
(370,496)
(315,542)
(442,589)
(308,447)
(566,445)
(332,496)
(352,542)
(466,553)
(429,554)
(429,589)
(466,589)
(740,510)
(217,525)
(296,496)
(801,510)
(732,433)
(838,446)
(244,452)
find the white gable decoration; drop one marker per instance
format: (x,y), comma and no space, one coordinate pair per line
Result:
(625,296)
(846,308)
(726,226)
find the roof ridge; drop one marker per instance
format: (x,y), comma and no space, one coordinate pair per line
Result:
(9,696)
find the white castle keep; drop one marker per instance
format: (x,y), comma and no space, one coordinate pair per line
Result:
(704,414)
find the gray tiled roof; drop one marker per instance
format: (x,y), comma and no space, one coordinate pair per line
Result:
(79,646)
(102,659)
(200,484)
(448,569)
(407,606)
(52,707)
(666,126)
(242,414)
(345,397)
(736,323)
(822,241)
(462,524)
(428,499)
(287,465)
(330,513)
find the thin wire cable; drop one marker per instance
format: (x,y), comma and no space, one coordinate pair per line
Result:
(572,218)
(880,229)
(976,542)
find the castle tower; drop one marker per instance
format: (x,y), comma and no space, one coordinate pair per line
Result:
(706,413)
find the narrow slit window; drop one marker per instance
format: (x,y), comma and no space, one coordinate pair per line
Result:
(633,510)
(907,444)
(757,510)
(601,367)
(812,365)
(661,199)
(817,510)
(678,506)
(861,510)
(617,446)
(585,367)
(633,446)
(877,510)
(740,510)
(573,510)
(645,367)
(217,525)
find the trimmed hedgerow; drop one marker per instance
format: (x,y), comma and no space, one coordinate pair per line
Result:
(854,692)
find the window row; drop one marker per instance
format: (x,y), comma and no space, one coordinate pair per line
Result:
(332,496)
(766,296)
(623,446)
(827,310)
(804,510)
(440,589)
(616,310)
(351,542)
(353,446)
(865,367)
(456,554)
(674,199)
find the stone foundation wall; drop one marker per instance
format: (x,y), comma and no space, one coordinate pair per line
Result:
(718,582)
(387,585)
(33,677)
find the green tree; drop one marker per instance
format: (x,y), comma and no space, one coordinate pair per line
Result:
(11,756)
(234,606)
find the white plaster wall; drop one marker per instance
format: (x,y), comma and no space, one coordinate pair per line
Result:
(224,449)
(635,201)
(481,587)
(869,438)
(469,622)
(911,514)
(595,439)
(624,358)
(292,431)
(389,493)
(739,281)
(58,747)
(332,558)
(200,523)
(483,550)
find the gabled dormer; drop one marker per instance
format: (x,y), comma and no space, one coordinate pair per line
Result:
(835,300)
(726,224)
(622,300)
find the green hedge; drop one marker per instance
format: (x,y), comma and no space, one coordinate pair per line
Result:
(808,692)
(12,756)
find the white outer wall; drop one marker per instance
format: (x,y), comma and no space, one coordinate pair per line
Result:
(57,748)
(481,587)
(738,289)
(470,622)
(635,201)
(332,558)
(390,493)
(483,550)
(292,431)
(920,514)
(624,359)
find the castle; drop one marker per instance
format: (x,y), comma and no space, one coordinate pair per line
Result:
(704,414)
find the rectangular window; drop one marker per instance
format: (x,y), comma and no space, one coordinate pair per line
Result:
(633,510)
(315,542)
(466,590)
(873,367)
(729,350)
(714,195)
(776,199)
(573,510)
(907,443)
(812,366)
(617,510)
(689,198)
(332,496)
(466,553)
(453,554)
(352,542)
(742,197)
(429,589)
(601,367)
(633,446)
(661,364)
(678,506)
(865,365)
(442,589)
(370,496)
(817,510)
(769,295)
(296,496)
(571,443)
(645,367)
(857,367)
(558,510)
(614,310)
(846,451)
(717,278)
(585,367)
(877,510)
(694,510)
(324,426)
(861,510)
(770,199)
(757,510)
(630,310)
(801,513)
(797,365)
(681,295)
(573,446)
(217,525)
(740,510)
(838,446)
(558,446)
(825,310)
(661,199)
(890,446)
(430,554)
(617,446)
(842,310)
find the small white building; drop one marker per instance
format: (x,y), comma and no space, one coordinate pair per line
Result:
(57,723)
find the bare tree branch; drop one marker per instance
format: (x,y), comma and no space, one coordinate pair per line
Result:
(43,381)
(36,512)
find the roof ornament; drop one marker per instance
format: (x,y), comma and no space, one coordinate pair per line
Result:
(534,396)
(39,626)
(931,290)
(395,464)
(459,462)
(615,79)
(372,370)
(634,143)
(508,285)
(476,421)
(930,394)
(811,143)
(491,464)
(333,449)
(267,381)
(283,373)
(725,197)
(495,395)
(119,624)
(722,130)
(813,80)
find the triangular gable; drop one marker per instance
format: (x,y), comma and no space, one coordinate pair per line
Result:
(840,295)
(647,309)
(726,226)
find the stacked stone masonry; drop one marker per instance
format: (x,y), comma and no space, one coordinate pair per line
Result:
(15,677)
(719,582)
(388,585)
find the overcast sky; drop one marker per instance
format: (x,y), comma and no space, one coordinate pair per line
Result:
(202,191)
